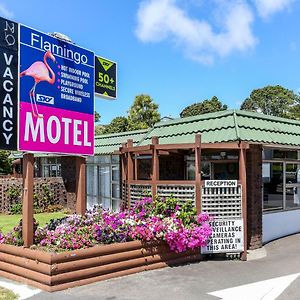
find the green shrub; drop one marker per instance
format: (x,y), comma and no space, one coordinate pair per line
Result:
(16,209)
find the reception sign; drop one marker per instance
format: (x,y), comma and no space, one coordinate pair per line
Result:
(9,64)
(56,95)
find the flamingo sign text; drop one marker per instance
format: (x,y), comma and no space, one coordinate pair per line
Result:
(56,95)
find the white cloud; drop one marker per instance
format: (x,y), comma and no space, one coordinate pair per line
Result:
(266,8)
(159,20)
(5,12)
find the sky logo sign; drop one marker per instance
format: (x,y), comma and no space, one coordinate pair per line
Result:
(45,99)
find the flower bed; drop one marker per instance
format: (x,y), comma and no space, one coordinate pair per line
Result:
(152,234)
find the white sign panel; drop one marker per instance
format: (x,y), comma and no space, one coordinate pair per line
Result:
(227,237)
(220,183)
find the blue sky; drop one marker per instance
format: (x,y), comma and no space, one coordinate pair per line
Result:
(178,51)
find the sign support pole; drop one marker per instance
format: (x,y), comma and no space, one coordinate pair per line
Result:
(80,186)
(27,211)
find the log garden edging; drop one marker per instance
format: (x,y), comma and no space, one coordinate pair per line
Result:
(58,271)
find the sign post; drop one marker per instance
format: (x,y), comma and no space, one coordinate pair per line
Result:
(27,209)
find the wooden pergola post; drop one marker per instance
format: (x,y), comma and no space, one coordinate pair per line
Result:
(27,210)
(123,164)
(155,166)
(198,172)
(80,186)
(243,179)
(130,168)
(123,180)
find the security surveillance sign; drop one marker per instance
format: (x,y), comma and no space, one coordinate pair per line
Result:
(227,237)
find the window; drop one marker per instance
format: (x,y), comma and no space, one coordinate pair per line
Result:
(103,181)
(273,185)
(51,166)
(281,179)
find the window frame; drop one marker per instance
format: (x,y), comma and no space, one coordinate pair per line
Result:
(284,162)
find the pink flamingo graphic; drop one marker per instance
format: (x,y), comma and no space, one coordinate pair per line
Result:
(39,71)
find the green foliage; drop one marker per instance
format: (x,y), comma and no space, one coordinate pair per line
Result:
(5,162)
(16,209)
(275,101)
(53,208)
(43,199)
(99,129)
(188,213)
(169,205)
(143,113)
(206,106)
(97,116)
(118,124)
(7,294)
(294,111)
(14,192)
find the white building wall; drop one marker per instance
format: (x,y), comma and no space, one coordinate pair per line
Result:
(279,224)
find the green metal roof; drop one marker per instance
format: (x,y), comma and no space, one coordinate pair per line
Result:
(108,143)
(223,126)
(227,126)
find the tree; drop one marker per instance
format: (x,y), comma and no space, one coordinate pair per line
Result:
(99,129)
(118,124)
(5,163)
(97,116)
(273,100)
(143,113)
(206,106)
(294,112)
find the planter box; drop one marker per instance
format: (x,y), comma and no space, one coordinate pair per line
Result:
(58,271)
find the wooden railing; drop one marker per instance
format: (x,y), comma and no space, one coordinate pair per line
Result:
(181,190)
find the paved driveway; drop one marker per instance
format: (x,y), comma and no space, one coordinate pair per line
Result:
(196,280)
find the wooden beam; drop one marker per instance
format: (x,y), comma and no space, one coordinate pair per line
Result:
(175,146)
(137,149)
(198,172)
(155,166)
(243,179)
(225,146)
(80,186)
(27,210)
(164,182)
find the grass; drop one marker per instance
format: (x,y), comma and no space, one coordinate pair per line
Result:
(7,295)
(8,222)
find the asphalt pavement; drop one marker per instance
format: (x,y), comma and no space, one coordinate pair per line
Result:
(197,280)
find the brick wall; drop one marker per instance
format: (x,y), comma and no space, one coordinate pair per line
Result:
(254,197)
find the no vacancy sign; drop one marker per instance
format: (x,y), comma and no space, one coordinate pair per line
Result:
(9,64)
